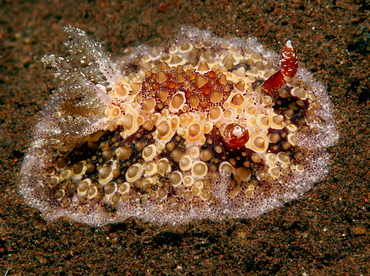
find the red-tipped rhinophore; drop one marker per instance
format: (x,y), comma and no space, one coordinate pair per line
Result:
(289,67)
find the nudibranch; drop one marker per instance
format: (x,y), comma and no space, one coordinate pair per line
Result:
(204,127)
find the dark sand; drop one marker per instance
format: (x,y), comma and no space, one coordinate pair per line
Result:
(324,233)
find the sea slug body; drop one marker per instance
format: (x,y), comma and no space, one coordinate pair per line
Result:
(203,128)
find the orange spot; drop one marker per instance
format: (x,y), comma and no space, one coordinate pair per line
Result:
(192,77)
(211,74)
(171,85)
(155,86)
(207,90)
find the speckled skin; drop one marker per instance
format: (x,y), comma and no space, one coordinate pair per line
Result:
(197,129)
